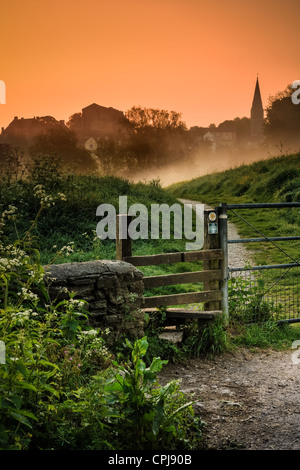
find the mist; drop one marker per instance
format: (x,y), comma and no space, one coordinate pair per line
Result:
(200,163)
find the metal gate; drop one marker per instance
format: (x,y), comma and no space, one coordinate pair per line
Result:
(248,293)
(260,293)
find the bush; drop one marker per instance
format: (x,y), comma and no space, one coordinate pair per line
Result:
(60,386)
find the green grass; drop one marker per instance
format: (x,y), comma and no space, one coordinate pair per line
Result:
(75,220)
(267,335)
(52,401)
(273,180)
(217,338)
(267,181)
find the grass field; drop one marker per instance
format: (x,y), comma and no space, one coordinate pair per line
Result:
(62,387)
(72,223)
(66,231)
(273,180)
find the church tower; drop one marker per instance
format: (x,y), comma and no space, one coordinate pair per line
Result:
(257,116)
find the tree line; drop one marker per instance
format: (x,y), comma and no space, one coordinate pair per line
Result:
(156,138)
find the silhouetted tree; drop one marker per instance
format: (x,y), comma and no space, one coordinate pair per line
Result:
(241,126)
(112,156)
(143,118)
(158,136)
(283,118)
(75,122)
(62,142)
(11,162)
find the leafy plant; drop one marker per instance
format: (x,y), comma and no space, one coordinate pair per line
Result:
(59,386)
(246,302)
(144,407)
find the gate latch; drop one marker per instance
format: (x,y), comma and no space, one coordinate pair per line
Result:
(212,224)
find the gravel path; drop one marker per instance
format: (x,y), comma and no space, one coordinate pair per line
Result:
(248,400)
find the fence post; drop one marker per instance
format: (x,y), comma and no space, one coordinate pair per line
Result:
(211,241)
(123,241)
(223,237)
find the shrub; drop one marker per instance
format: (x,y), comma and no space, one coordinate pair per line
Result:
(60,387)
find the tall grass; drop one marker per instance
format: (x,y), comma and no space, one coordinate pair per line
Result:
(75,220)
(272,180)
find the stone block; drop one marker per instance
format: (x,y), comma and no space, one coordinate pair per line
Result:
(82,291)
(98,304)
(113,290)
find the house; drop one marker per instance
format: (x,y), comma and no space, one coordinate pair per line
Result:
(219,139)
(21,132)
(98,122)
(91,145)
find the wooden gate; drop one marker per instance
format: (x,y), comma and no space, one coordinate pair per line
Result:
(211,255)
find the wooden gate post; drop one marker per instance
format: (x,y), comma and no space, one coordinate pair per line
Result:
(223,237)
(123,241)
(211,241)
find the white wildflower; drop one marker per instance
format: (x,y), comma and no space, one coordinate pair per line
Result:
(62,196)
(27,294)
(89,333)
(77,303)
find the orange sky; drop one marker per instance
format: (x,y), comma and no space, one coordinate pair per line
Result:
(197,57)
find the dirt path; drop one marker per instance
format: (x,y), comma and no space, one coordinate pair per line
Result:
(248,400)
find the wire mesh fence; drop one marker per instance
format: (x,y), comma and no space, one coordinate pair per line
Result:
(269,292)
(265,293)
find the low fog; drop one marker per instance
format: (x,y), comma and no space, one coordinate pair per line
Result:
(201,164)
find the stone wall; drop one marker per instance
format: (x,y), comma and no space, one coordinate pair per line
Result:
(113,291)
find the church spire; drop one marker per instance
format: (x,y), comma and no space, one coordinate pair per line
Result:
(257,102)
(257,115)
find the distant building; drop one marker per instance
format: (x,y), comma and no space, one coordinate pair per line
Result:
(91,145)
(219,139)
(22,132)
(94,122)
(257,117)
(98,122)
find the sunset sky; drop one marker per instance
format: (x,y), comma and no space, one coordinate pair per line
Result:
(197,57)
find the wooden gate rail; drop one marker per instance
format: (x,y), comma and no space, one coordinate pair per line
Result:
(183,313)
(181,257)
(181,278)
(180,299)
(211,276)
